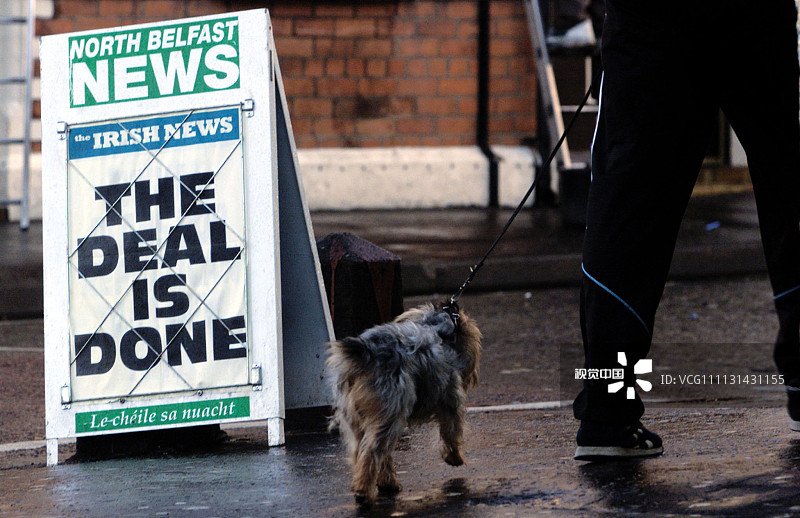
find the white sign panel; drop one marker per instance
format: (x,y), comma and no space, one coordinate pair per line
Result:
(157,286)
(164,298)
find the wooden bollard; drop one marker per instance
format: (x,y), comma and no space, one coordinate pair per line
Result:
(363,282)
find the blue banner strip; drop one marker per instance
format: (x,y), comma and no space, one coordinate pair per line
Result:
(134,135)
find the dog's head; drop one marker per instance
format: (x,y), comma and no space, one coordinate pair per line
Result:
(456,329)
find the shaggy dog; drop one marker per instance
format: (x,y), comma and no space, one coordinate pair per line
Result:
(410,371)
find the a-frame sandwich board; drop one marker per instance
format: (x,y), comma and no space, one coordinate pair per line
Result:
(181,280)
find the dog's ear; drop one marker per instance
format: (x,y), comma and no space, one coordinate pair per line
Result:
(469,338)
(351,348)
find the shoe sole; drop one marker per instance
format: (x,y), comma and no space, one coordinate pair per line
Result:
(600,453)
(794,425)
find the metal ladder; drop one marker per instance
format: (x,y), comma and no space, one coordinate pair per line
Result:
(552,108)
(25,142)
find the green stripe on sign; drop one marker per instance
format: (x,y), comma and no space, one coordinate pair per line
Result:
(162,415)
(152,62)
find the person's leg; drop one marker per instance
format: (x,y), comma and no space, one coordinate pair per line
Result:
(761,102)
(652,133)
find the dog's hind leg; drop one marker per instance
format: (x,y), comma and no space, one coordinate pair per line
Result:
(351,435)
(451,415)
(374,456)
(387,478)
(363,475)
(369,459)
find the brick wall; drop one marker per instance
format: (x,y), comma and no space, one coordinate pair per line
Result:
(360,74)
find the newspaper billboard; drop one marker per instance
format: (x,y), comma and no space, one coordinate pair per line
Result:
(163,145)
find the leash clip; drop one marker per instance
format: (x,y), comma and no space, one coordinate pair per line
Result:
(452,310)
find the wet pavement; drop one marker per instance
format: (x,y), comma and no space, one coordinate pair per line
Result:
(728,447)
(718,462)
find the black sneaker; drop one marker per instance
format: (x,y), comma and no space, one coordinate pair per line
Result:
(793,391)
(606,442)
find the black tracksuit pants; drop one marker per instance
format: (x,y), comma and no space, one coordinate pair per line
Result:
(668,68)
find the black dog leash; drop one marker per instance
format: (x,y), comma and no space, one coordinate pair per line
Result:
(452,306)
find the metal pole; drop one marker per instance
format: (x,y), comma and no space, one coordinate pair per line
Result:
(482,133)
(24,219)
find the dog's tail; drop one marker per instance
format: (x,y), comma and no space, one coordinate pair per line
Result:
(350,352)
(349,362)
(349,359)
